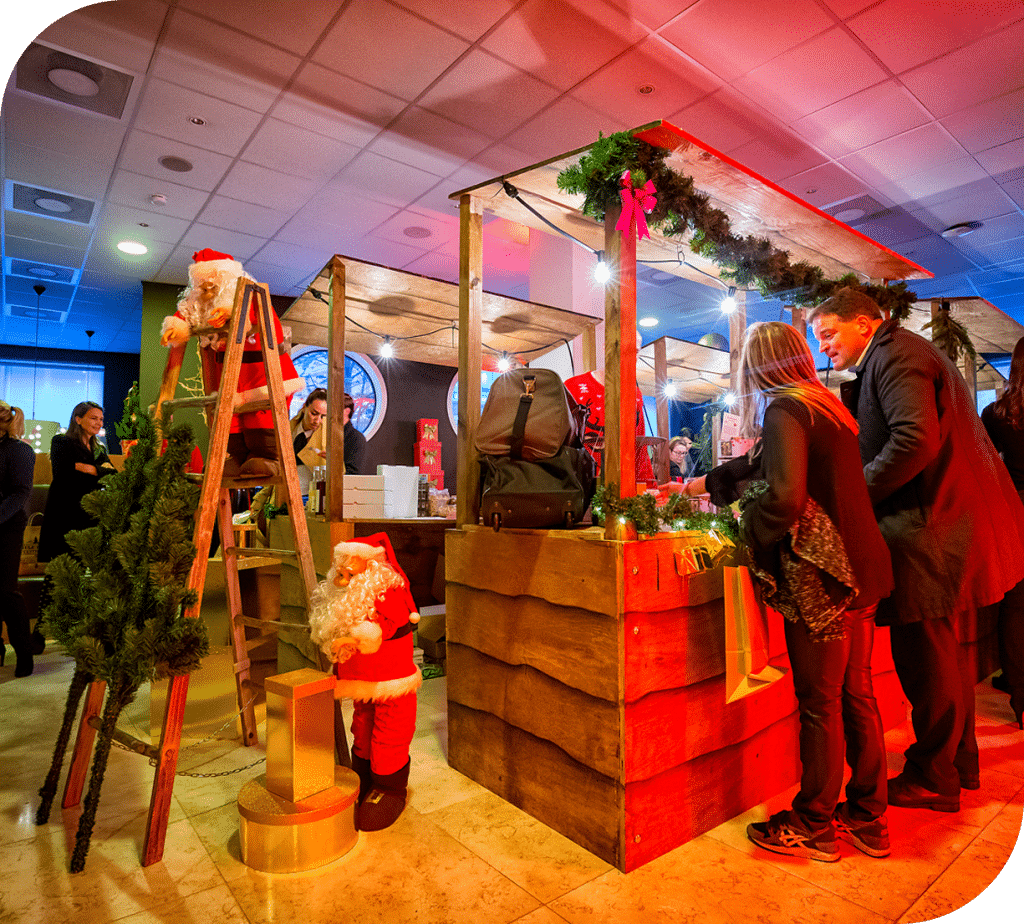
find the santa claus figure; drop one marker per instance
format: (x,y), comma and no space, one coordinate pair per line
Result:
(205,307)
(362,617)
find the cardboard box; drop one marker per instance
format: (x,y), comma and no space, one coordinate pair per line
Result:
(426,455)
(402,482)
(430,632)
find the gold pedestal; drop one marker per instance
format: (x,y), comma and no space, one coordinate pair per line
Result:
(278,836)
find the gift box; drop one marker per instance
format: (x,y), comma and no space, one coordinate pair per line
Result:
(426,455)
(426,429)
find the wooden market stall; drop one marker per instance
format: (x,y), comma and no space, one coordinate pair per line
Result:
(586,670)
(341,310)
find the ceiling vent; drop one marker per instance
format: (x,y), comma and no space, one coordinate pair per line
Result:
(44,272)
(74,81)
(28,312)
(50,204)
(854,211)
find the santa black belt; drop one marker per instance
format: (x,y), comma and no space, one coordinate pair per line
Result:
(405,630)
(248,356)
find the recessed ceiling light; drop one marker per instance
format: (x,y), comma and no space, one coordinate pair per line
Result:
(143,224)
(42,271)
(645,89)
(416,231)
(195,120)
(810,190)
(132,247)
(52,205)
(850,214)
(74,82)
(176,164)
(648,322)
(158,199)
(961,229)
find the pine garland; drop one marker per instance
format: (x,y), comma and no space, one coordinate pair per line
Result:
(649,519)
(682,211)
(118,600)
(950,336)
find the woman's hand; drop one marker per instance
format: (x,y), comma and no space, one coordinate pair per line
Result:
(694,487)
(85,467)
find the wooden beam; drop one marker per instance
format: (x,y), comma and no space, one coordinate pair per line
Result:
(471,271)
(660,381)
(589,350)
(799,319)
(737,330)
(336,393)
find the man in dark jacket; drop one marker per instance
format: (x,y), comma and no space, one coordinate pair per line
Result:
(951,519)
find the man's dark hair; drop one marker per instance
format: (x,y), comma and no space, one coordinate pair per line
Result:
(846,304)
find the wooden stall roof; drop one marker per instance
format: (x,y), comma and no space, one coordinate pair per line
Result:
(700,373)
(405,305)
(990,330)
(754,205)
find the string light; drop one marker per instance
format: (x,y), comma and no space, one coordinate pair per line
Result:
(670,389)
(504,363)
(386,349)
(729,399)
(729,302)
(601,272)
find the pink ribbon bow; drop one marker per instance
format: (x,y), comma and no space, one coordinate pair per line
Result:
(636,201)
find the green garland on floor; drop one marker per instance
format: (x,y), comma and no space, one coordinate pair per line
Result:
(748,261)
(649,519)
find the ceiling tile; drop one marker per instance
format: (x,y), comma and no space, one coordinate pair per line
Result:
(893,227)
(1015,190)
(299,259)
(653,13)
(862,119)
(136,190)
(935,254)
(723,121)
(817,73)
(331,104)
(84,135)
(732,37)
(319,237)
(487,94)
(125,221)
(165,109)
(981,71)
(937,28)
(278,279)
(988,124)
(824,185)
(1002,159)
(279,191)
(844,8)
(561,43)
(469,20)
(941,179)
(125,32)
(428,141)
(222,62)
(53,230)
(677,83)
(241,246)
(777,155)
(335,207)
(56,171)
(20,248)
(920,148)
(374,31)
(997,230)
(142,153)
(984,200)
(562,127)
(294,26)
(248,217)
(385,180)
(443,229)
(290,149)
(1001,251)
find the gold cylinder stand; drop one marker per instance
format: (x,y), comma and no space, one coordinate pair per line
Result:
(301,814)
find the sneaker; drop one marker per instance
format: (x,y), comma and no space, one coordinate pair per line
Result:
(870,837)
(783,833)
(906,793)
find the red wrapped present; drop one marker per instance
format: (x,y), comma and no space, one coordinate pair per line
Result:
(426,429)
(426,454)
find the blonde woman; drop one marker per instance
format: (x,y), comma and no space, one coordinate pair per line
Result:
(17,465)
(816,549)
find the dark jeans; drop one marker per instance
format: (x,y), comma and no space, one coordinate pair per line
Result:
(838,712)
(12,605)
(937,680)
(1010,628)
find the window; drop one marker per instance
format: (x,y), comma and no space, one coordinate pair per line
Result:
(363,382)
(49,390)
(487,379)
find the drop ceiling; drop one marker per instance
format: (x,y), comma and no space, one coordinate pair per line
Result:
(315,128)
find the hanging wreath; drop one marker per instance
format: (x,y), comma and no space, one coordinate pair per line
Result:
(684,212)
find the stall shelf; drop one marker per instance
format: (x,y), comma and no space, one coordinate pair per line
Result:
(586,671)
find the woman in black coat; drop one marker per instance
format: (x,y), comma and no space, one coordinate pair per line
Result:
(17,466)
(813,542)
(78,461)
(1004,421)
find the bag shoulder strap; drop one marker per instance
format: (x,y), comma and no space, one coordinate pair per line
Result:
(515,449)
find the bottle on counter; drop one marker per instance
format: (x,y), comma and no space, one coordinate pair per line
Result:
(321,490)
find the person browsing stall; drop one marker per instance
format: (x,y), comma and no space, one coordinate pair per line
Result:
(355,442)
(304,425)
(950,516)
(680,462)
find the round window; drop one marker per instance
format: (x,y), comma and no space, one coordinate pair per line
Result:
(363,382)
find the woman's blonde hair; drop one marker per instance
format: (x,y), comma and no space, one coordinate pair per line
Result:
(776,361)
(12,422)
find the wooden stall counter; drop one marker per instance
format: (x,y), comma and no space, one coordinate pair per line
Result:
(586,685)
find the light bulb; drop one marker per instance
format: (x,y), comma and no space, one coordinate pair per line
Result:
(386,349)
(601,271)
(729,302)
(503,363)
(730,399)
(670,389)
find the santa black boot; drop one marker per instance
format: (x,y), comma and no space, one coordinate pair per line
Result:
(361,765)
(385,802)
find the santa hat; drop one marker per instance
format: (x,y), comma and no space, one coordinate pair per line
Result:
(360,550)
(205,260)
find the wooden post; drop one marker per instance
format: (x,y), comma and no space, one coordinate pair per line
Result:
(471,270)
(969,368)
(660,382)
(334,507)
(737,329)
(589,350)
(619,359)
(799,320)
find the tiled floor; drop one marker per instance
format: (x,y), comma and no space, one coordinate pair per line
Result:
(461,854)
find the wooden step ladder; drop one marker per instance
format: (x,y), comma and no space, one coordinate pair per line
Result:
(252,311)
